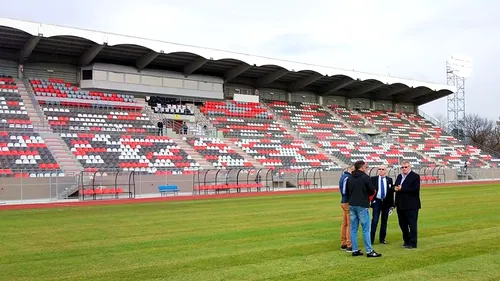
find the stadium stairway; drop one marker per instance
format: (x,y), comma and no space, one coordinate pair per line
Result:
(343,121)
(297,136)
(191,151)
(153,117)
(203,120)
(326,153)
(67,161)
(34,113)
(240,151)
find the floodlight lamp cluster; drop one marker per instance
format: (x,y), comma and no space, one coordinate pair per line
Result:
(460,66)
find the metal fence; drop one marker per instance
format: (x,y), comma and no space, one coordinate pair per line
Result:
(50,186)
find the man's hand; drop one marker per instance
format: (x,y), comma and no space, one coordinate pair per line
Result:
(398,188)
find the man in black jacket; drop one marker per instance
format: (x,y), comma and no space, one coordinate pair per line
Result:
(359,189)
(408,204)
(382,203)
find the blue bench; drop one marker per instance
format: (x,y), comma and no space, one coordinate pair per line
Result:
(165,189)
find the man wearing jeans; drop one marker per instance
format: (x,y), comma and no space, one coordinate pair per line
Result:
(359,189)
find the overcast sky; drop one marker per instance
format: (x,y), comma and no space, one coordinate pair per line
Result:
(405,38)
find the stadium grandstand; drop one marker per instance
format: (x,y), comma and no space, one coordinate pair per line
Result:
(78,102)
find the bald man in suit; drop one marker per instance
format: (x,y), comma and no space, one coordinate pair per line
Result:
(382,203)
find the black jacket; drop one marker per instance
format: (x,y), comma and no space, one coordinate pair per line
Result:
(408,198)
(389,197)
(359,189)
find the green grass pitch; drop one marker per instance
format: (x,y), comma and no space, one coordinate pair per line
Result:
(279,237)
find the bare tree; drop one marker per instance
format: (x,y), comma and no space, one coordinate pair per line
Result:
(477,129)
(442,120)
(494,141)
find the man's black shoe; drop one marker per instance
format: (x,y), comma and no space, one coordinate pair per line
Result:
(348,249)
(373,254)
(410,247)
(357,253)
(404,245)
(343,247)
(383,242)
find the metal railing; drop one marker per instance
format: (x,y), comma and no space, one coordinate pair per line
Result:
(35,103)
(57,188)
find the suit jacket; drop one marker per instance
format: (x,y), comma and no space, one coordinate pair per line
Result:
(389,196)
(408,198)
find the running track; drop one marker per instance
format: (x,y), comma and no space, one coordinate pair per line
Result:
(201,197)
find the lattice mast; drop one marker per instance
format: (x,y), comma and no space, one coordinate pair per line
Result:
(457,71)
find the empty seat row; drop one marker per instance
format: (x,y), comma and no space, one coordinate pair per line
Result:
(220,154)
(61,89)
(140,153)
(252,128)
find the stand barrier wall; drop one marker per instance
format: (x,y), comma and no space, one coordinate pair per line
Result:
(54,187)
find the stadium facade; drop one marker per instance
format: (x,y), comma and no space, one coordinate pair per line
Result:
(93,99)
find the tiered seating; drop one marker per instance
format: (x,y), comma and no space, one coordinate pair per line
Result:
(167,105)
(400,128)
(13,114)
(76,117)
(108,132)
(53,87)
(26,155)
(253,129)
(316,123)
(313,122)
(354,119)
(218,153)
(146,154)
(470,154)
(172,109)
(76,110)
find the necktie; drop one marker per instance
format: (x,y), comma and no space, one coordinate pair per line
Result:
(382,188)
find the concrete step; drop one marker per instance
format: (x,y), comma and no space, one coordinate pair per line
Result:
(331,157)
(193,153)
(240,151)
(33,115)
(345,123)
(61,153)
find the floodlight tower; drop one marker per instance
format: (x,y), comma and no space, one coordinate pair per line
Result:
(457,70)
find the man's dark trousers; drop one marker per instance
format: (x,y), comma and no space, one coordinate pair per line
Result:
(408,224)
(379,210)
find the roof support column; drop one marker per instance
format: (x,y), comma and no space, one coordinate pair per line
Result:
(28,48)
(194,65)
(270,78)
(300,84)
(145,60)
(235,72)
(335,86)
(90,54)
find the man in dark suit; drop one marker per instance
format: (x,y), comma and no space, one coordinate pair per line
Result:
(382,203)
(408,204)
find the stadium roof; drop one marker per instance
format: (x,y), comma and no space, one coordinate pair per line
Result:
(24,41)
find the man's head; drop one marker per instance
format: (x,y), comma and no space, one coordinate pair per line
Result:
(350,169)
(382,170)
(360,166)
(405,167)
